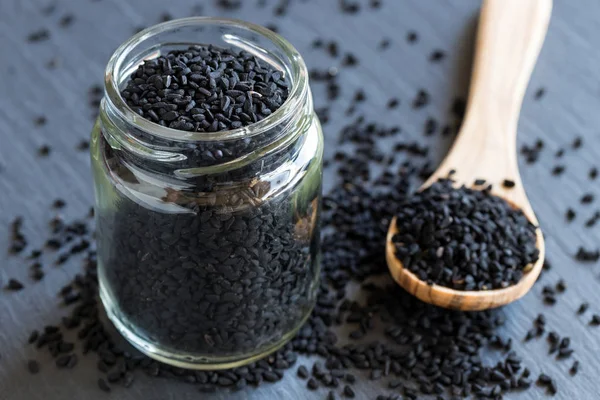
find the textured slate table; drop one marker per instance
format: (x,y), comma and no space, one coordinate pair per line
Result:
(568,68)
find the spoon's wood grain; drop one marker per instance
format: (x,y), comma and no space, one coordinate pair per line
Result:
(509,38)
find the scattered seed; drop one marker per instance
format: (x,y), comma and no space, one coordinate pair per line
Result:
(38,36)
(412,37)
(33,366)
(66,20)
(437,56)
(384,44)
(44,150)
(558,170)
(574,368)
(507,183)
(348,392)
(393,103)
(103,385)
(539,93)
(14,285)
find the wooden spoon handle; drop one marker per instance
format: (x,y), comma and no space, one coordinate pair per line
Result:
(509,38)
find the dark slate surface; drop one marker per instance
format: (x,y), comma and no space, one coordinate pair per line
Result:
(568,67)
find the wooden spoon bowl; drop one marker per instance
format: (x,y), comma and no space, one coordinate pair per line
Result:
(510,36)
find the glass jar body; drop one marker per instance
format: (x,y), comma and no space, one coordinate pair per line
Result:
(208,285)
(208,265)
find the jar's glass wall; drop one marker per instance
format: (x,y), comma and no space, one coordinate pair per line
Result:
(210,269)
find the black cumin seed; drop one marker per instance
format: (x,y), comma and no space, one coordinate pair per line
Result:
(33,366)
(539,93)
(421,100)
(434,211)
(312,384)
(431,126)
(38,36)
(33,337)
(332,49)
(570,214)
(349,60)
(302,372)
(272,27)
(384,43)
(552,388)
(479,182)
(40,121)
(544,379)
(37,275)
(593,173)
(587,198)
(583,308)
(437,55)
(165,17)
(66,20)
(412,37)
(14,285)
(559,153)
(574,368)
(348,392)
(181,89)
(103,385)
(587,255)
(83,145)
(595,321)
(507,183)
(44,150)
(558,170)
(577,142)
(393,103)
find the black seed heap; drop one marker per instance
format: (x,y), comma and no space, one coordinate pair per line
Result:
(206,89)
(463,238)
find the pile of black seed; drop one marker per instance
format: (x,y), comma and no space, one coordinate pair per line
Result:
(463,238)
(208,89)
(205,89)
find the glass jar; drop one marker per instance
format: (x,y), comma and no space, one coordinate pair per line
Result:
(208,243)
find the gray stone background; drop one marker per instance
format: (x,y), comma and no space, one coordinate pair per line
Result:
(567,68)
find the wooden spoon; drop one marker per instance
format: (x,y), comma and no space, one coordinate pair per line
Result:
(509,38)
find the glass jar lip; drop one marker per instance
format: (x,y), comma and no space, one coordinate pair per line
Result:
(294,101)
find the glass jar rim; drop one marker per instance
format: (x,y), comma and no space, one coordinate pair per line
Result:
(298,91)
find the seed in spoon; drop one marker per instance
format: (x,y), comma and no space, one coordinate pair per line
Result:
(463,238)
